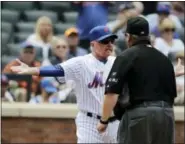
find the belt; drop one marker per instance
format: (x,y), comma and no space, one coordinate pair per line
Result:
(161,104)
(89,114)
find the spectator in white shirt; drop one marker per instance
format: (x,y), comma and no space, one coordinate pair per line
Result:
(166,43)
(43,37)
(60,50)
(179,100)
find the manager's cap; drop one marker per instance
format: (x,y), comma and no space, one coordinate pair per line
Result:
(100,33)
(138,26)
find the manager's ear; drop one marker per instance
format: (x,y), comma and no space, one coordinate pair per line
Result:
(92,44)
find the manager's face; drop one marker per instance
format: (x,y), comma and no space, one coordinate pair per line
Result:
(103,48)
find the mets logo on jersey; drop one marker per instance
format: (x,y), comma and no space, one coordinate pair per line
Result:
(97,81)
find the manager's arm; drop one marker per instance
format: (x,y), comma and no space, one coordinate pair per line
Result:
(55,70)
(71,69)
(113,88)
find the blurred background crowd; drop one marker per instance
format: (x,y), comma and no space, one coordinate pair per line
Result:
(48,33)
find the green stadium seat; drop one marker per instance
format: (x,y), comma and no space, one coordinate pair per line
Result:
(6,27)
(21,37)
(61,27)
(4,38)
(55,6)
(70,17)
(32,16)
(10,16)
(18,6)
(25,27)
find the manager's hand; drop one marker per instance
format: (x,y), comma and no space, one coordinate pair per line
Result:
(179,68)
(24,69)
(101,127)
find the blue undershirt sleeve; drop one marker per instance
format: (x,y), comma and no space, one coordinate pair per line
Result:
(52,71)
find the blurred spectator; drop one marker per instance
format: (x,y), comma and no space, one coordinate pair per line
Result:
(179,100)
(27,55)
(166,43)
(43,37)
(163,11)
(125,11)
(178,9)
(48,93)
(6,96)
(91,14)
(66,90)
(66,93)
(139,7)
(72,37)
(59,49)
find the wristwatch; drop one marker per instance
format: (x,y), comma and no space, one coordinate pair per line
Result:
(104,122)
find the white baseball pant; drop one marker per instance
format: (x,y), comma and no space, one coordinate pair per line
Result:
(87,130)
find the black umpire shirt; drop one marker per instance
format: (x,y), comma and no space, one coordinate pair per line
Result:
(149,74)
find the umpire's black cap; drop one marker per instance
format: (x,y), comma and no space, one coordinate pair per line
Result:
(138,26)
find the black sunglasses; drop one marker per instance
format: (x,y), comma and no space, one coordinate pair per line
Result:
(107,41)
(169,30)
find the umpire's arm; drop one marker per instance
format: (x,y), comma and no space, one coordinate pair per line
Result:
(115,82)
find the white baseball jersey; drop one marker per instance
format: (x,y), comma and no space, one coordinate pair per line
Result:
(90,76)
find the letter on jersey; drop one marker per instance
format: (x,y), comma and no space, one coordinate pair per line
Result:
(97,81)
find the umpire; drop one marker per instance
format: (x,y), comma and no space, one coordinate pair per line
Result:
(150,76)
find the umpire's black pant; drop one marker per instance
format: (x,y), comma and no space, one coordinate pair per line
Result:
(147,123)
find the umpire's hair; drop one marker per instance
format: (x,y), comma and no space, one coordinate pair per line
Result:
(140,38)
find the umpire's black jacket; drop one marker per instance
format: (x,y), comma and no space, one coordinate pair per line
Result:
(147,72)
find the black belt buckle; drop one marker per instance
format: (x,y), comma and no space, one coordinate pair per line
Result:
(111,119)
(91,115)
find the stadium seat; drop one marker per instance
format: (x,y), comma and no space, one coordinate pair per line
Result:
(60,27)
(6,27)
(32,16)
(25,27)
(55,6)
(19,6)
(14,49)
(5,50)
(70,17)
(20,37)
(10,16)
(5,38)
